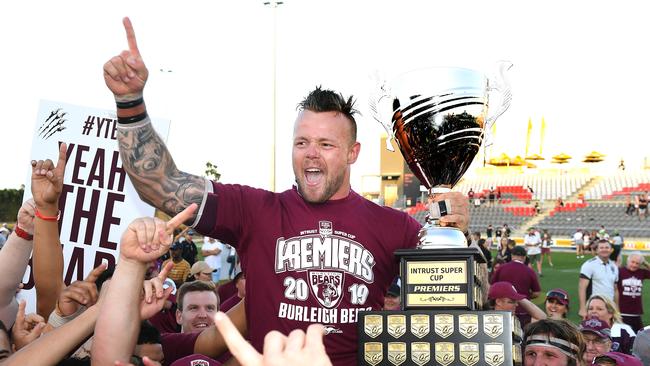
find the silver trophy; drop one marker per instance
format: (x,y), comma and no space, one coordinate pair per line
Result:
(439,118)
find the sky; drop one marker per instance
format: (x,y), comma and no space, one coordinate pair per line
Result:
(581,65)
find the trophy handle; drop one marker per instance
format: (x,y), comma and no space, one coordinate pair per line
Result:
(500,84)
(381,91)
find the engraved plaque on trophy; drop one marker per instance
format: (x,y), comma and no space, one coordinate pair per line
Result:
(438,337)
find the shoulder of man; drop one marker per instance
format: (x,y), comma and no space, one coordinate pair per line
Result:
(587,265)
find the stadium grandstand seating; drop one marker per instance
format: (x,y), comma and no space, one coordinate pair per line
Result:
(590,200)
(545,186)
(619,186)
(590,216)
(483,216)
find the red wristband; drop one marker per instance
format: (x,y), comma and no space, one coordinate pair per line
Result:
(47,218)
(22,233)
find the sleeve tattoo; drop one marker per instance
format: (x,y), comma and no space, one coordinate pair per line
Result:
(153,172)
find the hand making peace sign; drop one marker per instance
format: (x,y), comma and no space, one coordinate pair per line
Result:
(126,74)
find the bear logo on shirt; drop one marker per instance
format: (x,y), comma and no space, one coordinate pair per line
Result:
(327,287)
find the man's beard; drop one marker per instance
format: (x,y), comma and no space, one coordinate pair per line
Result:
(331,186)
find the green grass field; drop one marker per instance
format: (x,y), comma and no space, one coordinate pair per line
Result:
(564,274)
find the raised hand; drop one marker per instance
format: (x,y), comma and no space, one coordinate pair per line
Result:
(299,348)
(47,180)
(80,293)
(25,217)
(27,327)
(148,238)
(154,293)
(126,74)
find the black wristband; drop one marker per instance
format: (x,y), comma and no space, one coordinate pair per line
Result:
(132,119)
(130,104)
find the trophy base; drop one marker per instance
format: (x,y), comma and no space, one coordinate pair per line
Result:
(438,337)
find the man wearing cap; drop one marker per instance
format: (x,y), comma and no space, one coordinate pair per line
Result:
(597,336)
(553,342)
(504,296)
(630,286)
(181,268)
(240,292)
(392,299)
(211,251)
(522,277)
(202,271)
(598,275)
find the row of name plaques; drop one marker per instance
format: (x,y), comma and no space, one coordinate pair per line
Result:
(438,337)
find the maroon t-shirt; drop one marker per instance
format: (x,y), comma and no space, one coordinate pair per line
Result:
(165,320)
(630,286)
(521,276)
(226,290)
(229,303)
(177,345)
(309,263)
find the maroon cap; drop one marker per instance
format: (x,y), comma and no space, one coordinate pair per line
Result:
(196,360)
(559,295)
(596,326)
(622,359)
(504,289)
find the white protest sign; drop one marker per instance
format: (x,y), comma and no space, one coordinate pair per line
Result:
(98,201)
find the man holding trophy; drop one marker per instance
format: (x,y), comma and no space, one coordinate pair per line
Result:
(317,253)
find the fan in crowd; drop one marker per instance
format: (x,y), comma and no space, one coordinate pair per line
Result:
(603,308)
(556,304)
(553,342)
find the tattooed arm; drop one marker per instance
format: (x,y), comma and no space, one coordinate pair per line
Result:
(153,172)
(144,155)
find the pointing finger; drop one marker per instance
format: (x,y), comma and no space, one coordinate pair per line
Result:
(165,271)
(181,217)
(238,346)
(94,274)
(60,165)
(20,316)
(130,37)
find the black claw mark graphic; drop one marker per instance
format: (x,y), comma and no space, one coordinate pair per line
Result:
(59,129)
(53,124)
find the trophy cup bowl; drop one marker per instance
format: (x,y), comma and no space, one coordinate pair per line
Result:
(438,117)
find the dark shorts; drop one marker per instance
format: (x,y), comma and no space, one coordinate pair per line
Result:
(636,322)
(534,258)
(546,250)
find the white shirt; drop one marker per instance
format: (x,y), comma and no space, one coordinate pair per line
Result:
(577,237)
(213,261)
(533,244)
(603,276)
